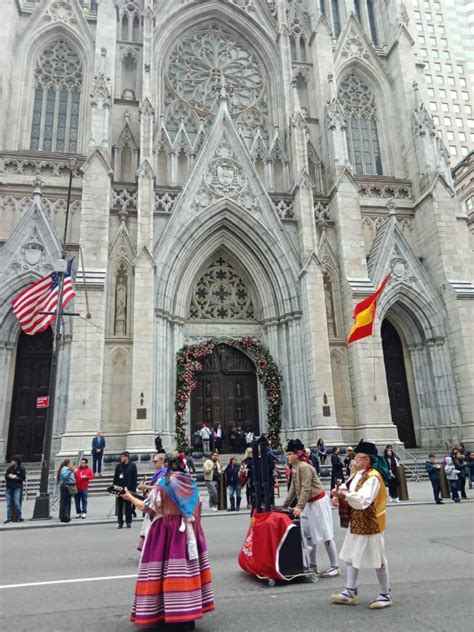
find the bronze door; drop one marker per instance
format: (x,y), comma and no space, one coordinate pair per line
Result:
(226,393)
(397,384)
(33,363)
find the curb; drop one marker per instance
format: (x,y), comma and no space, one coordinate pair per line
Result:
(79,523)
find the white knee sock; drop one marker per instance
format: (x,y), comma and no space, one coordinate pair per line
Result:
(312,554)
(332,552)
(382,576)
(352,576)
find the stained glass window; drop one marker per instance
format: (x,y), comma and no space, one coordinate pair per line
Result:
(357,10)
(372,22)
(58,79)
(362,134)
(336,19)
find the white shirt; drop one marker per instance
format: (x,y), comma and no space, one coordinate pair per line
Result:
(366,495)
(205,433)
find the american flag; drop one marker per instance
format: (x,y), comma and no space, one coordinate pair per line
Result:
(42,296)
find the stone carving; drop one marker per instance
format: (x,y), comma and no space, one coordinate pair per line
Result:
(121,298)
(354,47)
(35,166)
(284,207)
(401,269)
(225,177)
(322,215)
(124,198)
(220,294)
(60,11)
(392,190)
(164,201)
(329,303)
(100,94)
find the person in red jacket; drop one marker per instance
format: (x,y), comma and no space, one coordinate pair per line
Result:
(83,475)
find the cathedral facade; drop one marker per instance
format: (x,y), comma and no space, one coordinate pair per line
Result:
(242,168)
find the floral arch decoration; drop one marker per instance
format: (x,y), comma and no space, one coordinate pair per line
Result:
(189,360)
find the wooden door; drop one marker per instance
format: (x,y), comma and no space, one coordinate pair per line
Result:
(397,384)
(226,393)
(33,363)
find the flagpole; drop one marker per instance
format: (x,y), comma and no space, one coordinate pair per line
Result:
(42,502)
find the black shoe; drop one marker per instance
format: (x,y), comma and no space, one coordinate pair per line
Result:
(120,526)
(6,521)
(129,526)
(20,520)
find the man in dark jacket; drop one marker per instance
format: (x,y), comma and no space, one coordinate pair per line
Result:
(337,472)
(125,476)
(98,447)
(434,473)
(14,477)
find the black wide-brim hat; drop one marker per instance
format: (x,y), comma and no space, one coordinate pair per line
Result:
(364,447)
(294,445)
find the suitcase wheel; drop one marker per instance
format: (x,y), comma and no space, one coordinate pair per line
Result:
(271,583)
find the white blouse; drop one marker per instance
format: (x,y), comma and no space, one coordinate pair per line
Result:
(366,495)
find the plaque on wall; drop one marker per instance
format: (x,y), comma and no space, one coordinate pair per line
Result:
(326,411)
(141,413)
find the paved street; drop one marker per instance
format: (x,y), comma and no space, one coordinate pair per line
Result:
(430,550)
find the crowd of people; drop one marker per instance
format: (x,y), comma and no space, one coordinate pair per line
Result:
(210,438)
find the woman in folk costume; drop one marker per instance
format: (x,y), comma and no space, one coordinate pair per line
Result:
(174,579)
(313,506)
(363,547)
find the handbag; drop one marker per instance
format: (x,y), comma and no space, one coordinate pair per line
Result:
(72,489)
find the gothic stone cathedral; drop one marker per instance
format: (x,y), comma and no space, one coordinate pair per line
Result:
(244,168)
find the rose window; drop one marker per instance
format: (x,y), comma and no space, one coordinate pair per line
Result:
(199,62)
(220,294)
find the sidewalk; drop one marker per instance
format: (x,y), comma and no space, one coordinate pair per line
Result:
(101,508)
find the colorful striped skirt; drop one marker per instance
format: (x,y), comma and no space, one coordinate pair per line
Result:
(171,587)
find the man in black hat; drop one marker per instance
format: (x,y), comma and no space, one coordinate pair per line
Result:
(313,506)
(363,546)
(125,476)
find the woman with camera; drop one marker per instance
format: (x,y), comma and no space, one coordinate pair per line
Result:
(174,583)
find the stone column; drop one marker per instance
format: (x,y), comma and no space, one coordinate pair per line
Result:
(7,361)
(87,346)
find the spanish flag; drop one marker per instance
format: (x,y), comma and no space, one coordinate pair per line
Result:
(364,315)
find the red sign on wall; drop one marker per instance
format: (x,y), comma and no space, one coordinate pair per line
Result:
(42,402)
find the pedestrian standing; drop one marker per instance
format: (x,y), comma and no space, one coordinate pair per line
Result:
(470,465)
(452,476)
(125,476)
(322,451)
(98,447)
(233,486)
(434,474)
(159,443)
(392,464)
(349,461)
(67,488)
(174,584)
(206,437)
(337,471)
(83,476)
(314,460)
(246,478)
(463,472)
(312,506)
(15,476)
(364,546)
(212,469)
(219,437)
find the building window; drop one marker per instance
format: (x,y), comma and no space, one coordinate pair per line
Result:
(450,135)
(456,107)
(58,82)
(470,204)
(357,10)
(451,81)
(424,52)
(336,20)
(468,109)
(446,54)
(437,66)
(464,151)
(362,133)
(372,21)
(458,122)
(460,69)
(462,137)
(444,42)
(465,96)
(439,17)
(435,54)
(442,93)
(447,120)
(449,68)
(322,7)
(462,82)
(422,39)
(429,79)
(452,150)
(436,120)
(439,80)
(445,107)
(433,105)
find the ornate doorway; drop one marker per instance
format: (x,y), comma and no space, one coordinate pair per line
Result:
(226,393)
(397,384)
(33,362)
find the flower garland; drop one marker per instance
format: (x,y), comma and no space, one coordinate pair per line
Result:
(189,361)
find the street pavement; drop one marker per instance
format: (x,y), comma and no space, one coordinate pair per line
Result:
(429,548)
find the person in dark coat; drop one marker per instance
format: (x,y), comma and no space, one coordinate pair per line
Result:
(125,476)
(434,473)
(337,472)
(392,463)
(14,479)
(98,447)
(233,486)
(159,443)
